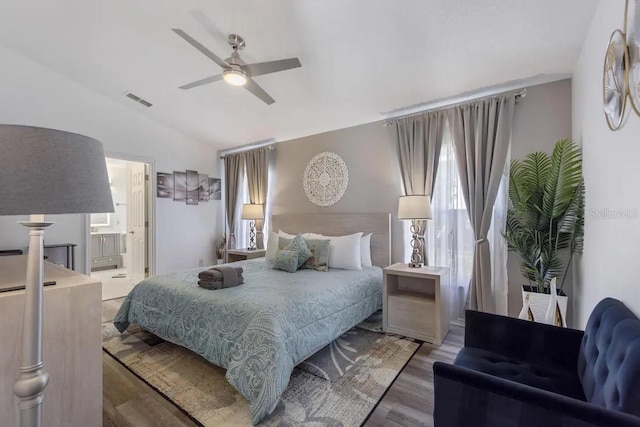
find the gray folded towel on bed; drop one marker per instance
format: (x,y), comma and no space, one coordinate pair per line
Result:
(221,277)
(220,281)
(210,285)
(217,273)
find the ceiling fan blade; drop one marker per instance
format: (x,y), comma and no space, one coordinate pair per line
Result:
(202,82)
(255,89)
(193,42)
(271,66)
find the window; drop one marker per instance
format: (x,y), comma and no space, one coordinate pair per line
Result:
(450,238)
(449,234)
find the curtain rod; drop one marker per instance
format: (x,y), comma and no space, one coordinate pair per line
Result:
(451,102)
(268,144)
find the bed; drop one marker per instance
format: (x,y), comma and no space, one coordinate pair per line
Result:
(259,331)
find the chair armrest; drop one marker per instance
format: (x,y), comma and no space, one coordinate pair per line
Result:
(523,340)
(466,398)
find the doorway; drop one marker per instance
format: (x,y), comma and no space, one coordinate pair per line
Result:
(119,242)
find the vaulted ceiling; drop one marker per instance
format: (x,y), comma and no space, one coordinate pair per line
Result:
(360,58)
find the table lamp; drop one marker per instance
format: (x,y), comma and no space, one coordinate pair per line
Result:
(45,171)
(415,208)
(252,212)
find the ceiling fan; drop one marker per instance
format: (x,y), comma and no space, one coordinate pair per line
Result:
(235,71)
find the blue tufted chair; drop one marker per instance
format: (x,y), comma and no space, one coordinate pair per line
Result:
(517,373)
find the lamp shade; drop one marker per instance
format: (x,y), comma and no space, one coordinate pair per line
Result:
(46,171)
(414,207)
(253,212)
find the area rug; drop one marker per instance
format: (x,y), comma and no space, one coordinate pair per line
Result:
(338,386)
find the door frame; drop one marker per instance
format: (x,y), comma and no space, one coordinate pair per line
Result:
(151,204)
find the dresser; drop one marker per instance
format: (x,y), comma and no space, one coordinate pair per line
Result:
(72,349)
(105,251)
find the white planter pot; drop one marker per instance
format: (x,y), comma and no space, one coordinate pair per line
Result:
(536,305)
(220,261)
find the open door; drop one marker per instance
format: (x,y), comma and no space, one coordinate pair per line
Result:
(136,222)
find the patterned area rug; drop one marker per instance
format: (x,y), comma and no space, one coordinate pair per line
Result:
(338,386)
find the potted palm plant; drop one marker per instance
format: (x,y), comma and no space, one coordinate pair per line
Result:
(545,226)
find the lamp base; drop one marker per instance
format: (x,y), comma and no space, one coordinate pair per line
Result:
(416,246)
(33,379)
(252,236)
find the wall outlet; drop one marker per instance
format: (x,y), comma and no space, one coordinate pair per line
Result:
(200,262)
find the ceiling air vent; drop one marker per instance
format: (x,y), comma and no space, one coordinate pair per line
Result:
(138,99)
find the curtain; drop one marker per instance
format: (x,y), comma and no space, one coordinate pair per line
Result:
(257,167)
(481,133)
(498,245)
(233,174)
(419,142)
(450,236)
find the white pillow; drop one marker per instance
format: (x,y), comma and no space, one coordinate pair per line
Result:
(365,250)
(344,251)
(291,236)
(272,246)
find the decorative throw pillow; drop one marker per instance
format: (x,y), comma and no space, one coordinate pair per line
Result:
(286,261)
(297,244)
(320,255)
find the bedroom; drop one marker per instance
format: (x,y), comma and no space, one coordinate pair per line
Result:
(72,72)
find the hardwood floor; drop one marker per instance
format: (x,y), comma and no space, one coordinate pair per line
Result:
(130,402)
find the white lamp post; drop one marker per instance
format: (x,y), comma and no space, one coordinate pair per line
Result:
(45,171)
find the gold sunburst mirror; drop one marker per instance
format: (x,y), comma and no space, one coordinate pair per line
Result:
(615,80)
(633,45)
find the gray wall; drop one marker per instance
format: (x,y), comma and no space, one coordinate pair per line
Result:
(374,177)
(369,151)
(540,119)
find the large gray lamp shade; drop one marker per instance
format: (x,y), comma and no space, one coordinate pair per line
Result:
(46,171)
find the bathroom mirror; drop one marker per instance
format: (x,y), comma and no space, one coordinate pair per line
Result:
(101,220)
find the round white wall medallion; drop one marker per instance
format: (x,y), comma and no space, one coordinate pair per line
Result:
(325,179)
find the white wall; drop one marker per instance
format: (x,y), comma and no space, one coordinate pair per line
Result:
(612,245)
(33,95)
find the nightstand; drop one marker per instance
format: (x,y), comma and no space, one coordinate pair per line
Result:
(234,255)
(415,302)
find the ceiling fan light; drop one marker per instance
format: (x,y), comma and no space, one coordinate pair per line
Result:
(234,77)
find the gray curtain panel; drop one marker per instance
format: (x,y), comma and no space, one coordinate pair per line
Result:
(233,174)
(419,143)
(481,134)
(257,164)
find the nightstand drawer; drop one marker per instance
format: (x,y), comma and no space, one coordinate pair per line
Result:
(411,313)
(235,255)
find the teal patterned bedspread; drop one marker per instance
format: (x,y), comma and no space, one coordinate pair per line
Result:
(260,330)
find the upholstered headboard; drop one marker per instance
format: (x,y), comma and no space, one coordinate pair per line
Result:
(338,224)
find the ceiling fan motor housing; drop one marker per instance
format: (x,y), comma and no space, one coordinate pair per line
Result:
(236,42)
(235,60)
